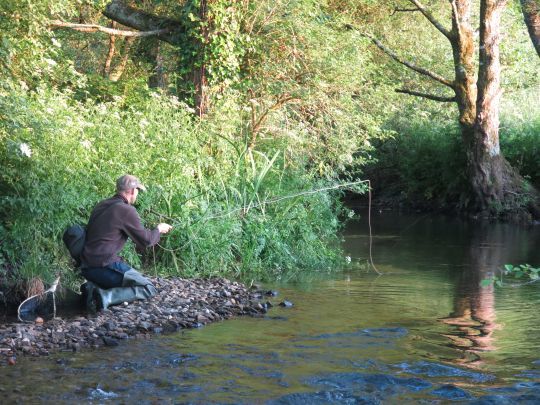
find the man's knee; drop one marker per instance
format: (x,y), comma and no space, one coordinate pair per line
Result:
(133,278)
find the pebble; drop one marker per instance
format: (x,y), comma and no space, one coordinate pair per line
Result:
(180,303)
(110,341)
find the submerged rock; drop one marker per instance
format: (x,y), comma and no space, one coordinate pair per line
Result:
(286,304)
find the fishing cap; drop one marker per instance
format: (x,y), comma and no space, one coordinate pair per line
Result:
(129,182)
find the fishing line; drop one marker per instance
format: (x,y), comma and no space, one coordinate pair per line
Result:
(369,226)
(245,209)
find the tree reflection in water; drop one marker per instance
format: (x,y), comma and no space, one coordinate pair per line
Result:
(474,318)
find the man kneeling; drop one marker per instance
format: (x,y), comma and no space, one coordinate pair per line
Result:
(110,280)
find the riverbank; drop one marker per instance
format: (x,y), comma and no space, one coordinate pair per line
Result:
(179,304)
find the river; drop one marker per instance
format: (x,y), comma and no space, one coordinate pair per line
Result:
(422,331)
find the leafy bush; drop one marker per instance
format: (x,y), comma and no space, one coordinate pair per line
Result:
(520,134)
(424,164)
(421,165)
(60,157)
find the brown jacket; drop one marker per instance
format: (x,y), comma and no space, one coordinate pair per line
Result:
(112,221)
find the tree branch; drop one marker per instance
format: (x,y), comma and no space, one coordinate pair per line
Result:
(404,10)
(455,17)
(428,96)
(431,18)
(531,15)
(410,65)
(107,30)
(142,21)
(257,123)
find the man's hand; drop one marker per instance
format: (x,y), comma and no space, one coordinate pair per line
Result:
(164,228)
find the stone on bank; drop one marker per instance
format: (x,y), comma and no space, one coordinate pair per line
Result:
(179,304)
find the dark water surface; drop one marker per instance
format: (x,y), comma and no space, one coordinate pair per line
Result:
(424,331)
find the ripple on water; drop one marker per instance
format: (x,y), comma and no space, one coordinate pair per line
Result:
(522,393)
(358,339)
(323,398)
(98,393)
(384,333)
(353,388)
(450,391)
(430,369)
(369,382)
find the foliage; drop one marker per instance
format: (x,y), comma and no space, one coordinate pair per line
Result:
(29,51)
(423,166)
(512,272)
(61,156)
(299,101)
(520,133)
(302,53)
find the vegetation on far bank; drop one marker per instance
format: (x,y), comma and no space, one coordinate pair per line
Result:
(246,103)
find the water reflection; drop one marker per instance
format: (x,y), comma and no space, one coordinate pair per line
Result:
(474,315)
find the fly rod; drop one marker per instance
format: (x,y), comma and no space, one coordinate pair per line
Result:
(273,200)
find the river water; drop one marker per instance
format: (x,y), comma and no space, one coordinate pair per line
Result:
(423,331)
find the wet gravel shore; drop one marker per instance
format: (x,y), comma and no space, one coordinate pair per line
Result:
(179,304)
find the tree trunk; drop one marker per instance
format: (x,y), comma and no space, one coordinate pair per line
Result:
(158,78)
(462,41)
(199,78)
(110,54)
(486,164)
(496,187)
(496,184)
(119,69)
(531,15)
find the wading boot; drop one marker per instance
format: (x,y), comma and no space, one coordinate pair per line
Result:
(118,295)
(90,297)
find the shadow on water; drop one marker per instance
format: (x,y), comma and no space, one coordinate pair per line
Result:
(425,331)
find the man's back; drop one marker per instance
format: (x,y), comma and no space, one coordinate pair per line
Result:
(112,221)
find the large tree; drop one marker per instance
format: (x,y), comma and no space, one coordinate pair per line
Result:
(476,89)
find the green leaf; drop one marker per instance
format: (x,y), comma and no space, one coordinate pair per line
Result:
(486,282)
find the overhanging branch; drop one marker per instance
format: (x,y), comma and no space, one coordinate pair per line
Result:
(107,30)
(431,18)
(404,10)
(426,95)
(410,65)
(140,20)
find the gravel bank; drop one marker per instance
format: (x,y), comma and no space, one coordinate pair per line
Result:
(179,304)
